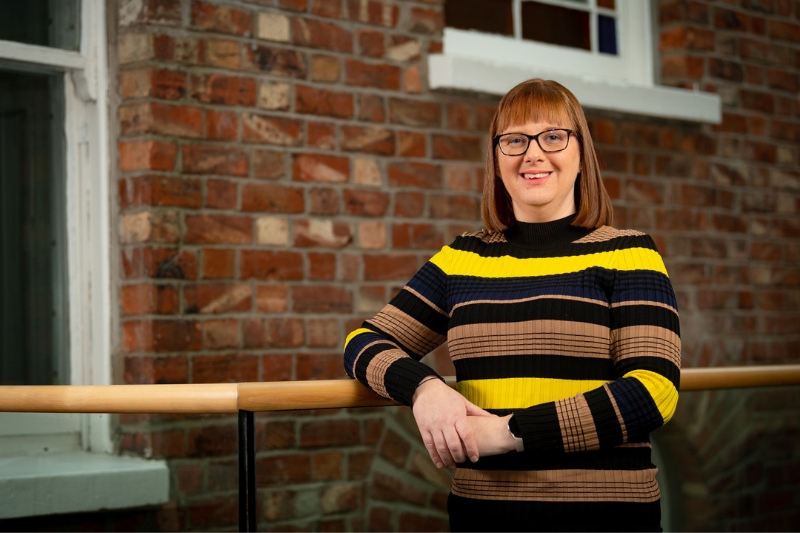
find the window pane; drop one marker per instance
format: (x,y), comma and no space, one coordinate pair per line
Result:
(608,4)
(555,25)
(32,305)
(489,16)
(51,23)
(607,31)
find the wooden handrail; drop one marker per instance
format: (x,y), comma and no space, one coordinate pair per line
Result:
(295,395)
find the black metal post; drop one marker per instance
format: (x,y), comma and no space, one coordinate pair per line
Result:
(247,471)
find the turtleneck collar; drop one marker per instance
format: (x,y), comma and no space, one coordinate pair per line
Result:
(545,234)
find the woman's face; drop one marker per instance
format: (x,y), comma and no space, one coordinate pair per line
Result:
(541,184)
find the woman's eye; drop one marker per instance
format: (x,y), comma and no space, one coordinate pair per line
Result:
(515,140)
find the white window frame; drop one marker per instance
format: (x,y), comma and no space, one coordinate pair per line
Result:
(45,462)
(489,63)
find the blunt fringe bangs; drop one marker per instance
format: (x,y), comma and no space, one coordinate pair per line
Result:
(539,100)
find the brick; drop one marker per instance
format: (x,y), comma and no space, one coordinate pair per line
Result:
(218,229)
(272,198)
(340,498)
(181,121)
(265,264)
(371,235)
(206,16)
(221,194)
(274,96)
(321,135)
(163,12)
(409,521)
(327,8)
(726,70)
(409,204)
(275,332)
(219,263)
(212,441)
(412,80)
(455,206)
(371,108)
(373,75)
(167,84)
(367,172)
(320,34)
(149,299)
(319,366)
(271,130)
(134,47)
(323,201)
(325,68)
(686,38)
(327,466)
(156,370)
(365,203)
(324,233)
(224,53)
(160,191)
(359,464)
(323,333)
(283,469)
(224,90)
(321,168)
(375,12)
(176,335)
(371,43)
(189,478)
(225,368)
(268,164)
(411,144)
(272,230)
(782,80)
(328,433)
(321,299)
(272,298)
(181,49)
(389,488)
(380,519)
(276,61)
(148,226)
(217,298)
(214,159)
(781,30)
(276,367)
(217,511)
(221,475)
(404,49)
(323,102)
(222,125)
(162,444)
(422,175)
(146,155)
(395,449)
(137,83)
(414,113)
(416,236)
(321,266)
(756,101)
(273,27)
(456,147)
(276,435)
(644,191)
(220,334)
(372,139)
(389,267)
(159,262)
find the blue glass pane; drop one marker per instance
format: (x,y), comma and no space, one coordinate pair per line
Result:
(607,30)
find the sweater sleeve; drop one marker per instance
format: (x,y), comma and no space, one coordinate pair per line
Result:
(385,352)
(645,350)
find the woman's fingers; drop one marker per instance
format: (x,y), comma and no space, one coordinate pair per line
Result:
(467,436)
(430,445)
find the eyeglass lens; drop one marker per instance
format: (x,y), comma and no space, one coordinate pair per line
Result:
(549,141)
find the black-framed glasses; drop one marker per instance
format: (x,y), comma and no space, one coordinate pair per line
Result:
(553,140)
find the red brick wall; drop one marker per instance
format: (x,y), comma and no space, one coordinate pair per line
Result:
(283,169)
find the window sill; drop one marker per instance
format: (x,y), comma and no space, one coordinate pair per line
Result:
(79,482)
(447,71)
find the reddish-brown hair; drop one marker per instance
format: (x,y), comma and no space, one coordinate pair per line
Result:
(540,100)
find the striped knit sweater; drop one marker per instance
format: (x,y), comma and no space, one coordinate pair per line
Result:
(576,332)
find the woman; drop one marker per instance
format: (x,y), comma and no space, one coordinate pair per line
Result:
(563,331)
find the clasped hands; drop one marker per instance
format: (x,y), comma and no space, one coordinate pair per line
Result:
(454,429)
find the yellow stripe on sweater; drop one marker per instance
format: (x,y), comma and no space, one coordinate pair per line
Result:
(663,392)
(460,263)
(519,393)
(354,333)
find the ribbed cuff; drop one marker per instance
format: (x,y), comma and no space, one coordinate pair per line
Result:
(404,376)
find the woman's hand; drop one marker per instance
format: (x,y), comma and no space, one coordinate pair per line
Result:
(492,435)
(442,417)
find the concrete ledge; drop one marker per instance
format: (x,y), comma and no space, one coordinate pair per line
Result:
(79,482)
(447,71)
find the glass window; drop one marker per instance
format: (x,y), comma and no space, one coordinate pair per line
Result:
(556,25)
(52,23)
(32,240)
(489,16)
